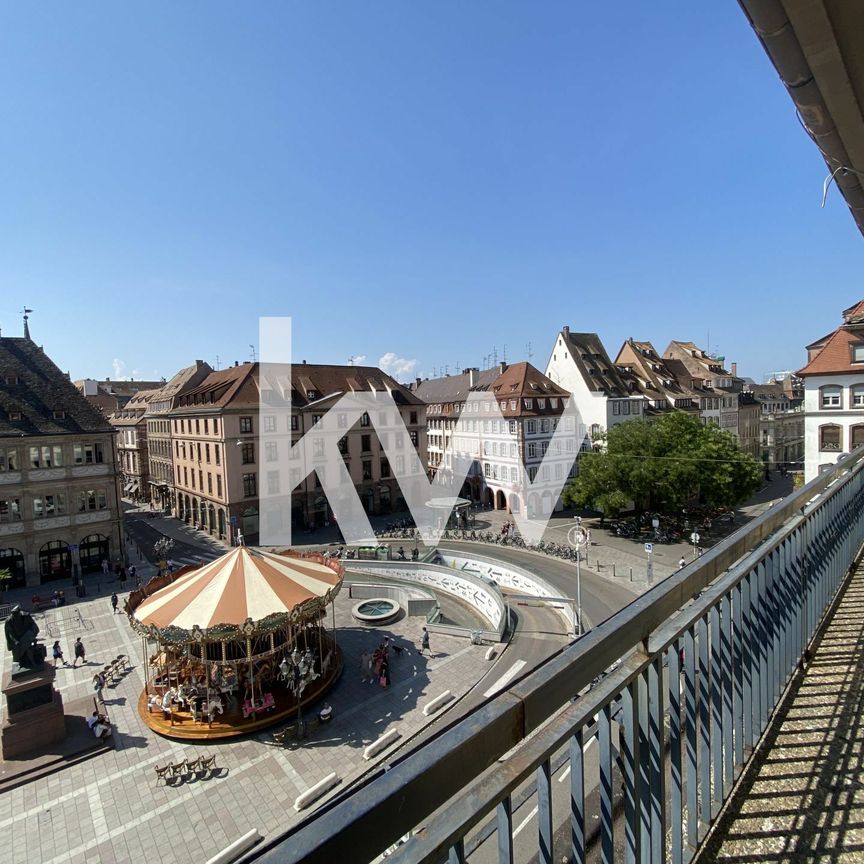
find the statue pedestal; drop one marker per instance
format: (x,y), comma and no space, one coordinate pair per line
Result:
(34,712)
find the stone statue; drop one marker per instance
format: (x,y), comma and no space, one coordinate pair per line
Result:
(21,632)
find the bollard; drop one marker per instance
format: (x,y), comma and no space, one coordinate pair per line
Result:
(613,569)
(631,574)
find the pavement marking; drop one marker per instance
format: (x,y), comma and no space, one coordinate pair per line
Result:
(566,772)
(505,679)
(525,822)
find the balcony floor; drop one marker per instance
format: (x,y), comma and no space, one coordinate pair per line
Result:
(802,799)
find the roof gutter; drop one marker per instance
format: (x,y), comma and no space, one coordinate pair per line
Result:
(783,46)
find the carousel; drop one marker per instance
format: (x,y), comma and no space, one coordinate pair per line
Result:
(237,644)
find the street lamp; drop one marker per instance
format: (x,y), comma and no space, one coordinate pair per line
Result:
(577,537)
(162,547)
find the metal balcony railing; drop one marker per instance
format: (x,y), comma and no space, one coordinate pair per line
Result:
(689,676)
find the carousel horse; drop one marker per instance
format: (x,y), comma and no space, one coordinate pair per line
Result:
(214,706)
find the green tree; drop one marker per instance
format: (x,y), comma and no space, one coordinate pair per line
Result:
(662,465)
(5,579)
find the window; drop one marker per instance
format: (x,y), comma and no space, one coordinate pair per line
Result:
(829,437)
(364,420)
(207,453)
(271,453)
(831,396)
(198,450)
(8,459)
(341,421)
(245,425)
(295,425)
(625,407)
(544,425)
(856,396)
(250,486)
(92,499)
(272,482)
(385,468)
(531,427)
(197,426)
(46,456)
(209,483)
(367,470)
(10,510)
(193,477)
(59,415)
(528,404)
(87,454)
(343,446)
(206,426)
(216,453)
(219,485)
(269,423)
(541,404)
(413,436)
(616,408)
(318,448)
(247,453)
(858,353)
(856,436)
(365,443)
(532,450)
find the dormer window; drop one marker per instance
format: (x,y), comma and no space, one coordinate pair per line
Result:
(59,415)
(12,380)
(858,353)
(15,415)
(311,394)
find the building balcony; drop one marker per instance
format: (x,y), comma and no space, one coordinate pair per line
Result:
(706,678)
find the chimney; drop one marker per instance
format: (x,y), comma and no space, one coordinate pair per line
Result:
(502,368)
(734,370)
(236,363)
(418,381)
(472,377)
(565,329)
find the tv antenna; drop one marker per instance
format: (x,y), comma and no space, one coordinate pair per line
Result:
(529,351)
(217,362)
(352,360)
(495,355)
(252,347)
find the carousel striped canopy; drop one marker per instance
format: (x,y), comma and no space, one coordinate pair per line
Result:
(244,583)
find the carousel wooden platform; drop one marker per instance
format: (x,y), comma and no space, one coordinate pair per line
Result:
(232,723)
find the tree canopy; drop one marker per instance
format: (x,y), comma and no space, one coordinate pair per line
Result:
(661,465)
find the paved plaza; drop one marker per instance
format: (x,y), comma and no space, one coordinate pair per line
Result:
(111,809)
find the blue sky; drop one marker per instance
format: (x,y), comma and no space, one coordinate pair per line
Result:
(429,181)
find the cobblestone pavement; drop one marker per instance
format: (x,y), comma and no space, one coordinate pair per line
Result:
(110,808)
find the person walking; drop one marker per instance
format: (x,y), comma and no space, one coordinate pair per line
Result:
(57,653)
(682,563)
(114,602)
(424,641)
(80,653)
(98,684)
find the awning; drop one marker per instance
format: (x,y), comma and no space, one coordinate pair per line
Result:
(127,488)
(134,485)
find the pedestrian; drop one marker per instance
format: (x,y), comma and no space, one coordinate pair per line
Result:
(98,684)
(424,642)
(114,602)
(122,576)
(105,569)
(133,573)
(80,653)
(682,563)
(57,653)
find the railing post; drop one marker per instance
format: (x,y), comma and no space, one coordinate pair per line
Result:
(691,738)
(630,773)
(544,811)
(505,831)
(704,721)
(604,740)
(676,808)
(577,795)
(656,749)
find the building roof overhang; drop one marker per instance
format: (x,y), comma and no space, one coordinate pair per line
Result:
(817,47)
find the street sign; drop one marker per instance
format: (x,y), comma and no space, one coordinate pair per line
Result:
(577,536)
(233,520)
(649,548)
(694,537)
